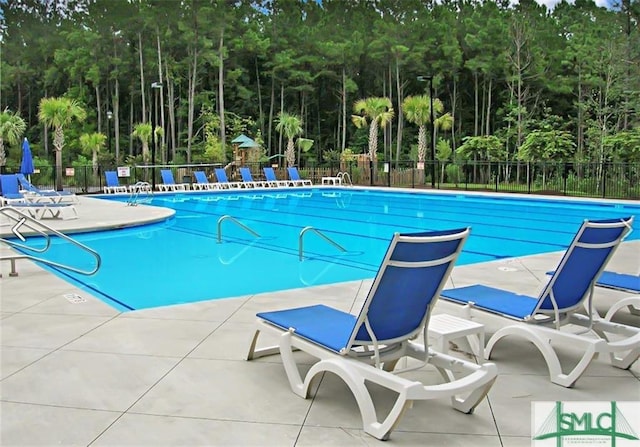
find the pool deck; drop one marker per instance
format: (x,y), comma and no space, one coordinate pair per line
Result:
(78,372)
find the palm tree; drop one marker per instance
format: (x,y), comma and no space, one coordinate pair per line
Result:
(417,110)
(143,132)
(58,113)
(11,129)
(304,145)
(379,113)
(92,143)
(290,126)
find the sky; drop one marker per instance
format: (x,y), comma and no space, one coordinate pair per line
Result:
(551,3)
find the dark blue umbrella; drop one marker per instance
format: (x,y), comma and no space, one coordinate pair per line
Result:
(26,166)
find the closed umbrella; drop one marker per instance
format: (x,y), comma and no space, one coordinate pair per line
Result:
(26,166)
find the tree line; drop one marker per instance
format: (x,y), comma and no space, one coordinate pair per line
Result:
(509,82)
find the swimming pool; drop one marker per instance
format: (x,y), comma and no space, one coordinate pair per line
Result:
(181,260)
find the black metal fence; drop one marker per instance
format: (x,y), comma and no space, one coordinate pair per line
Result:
(608,180)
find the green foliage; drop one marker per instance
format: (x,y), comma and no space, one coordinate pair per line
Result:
(213,151)
(348,155)
(453,173)
(505,68)
(289,126)
(331,156)
(546,145)
(624,146)
(482,148)
(443,150)
(91,143)
(12,128)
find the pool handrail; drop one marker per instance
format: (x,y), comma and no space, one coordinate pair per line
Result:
(237,222)
(24,219)
(319,233)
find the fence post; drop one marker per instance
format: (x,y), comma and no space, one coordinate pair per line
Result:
(413,175)
(604,180)
(388,174)
(466,177)
(528,177)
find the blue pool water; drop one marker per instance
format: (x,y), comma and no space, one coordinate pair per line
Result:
(180,260)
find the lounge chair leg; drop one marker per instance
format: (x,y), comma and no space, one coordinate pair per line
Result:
(290,368)
(543,344)
(252,345)
(447,365)
(355,381)
(390,365)
(628,348)
(262,352)
(632,302)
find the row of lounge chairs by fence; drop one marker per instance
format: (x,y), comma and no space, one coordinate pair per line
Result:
(203,183)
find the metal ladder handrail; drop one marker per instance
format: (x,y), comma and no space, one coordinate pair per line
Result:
(135,192)
(237,222)
(342,175)
(7,210)
(319,233)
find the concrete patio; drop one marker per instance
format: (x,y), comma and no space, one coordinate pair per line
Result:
(78,372)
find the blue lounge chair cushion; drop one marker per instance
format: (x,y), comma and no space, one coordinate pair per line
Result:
(112,178)
(201,177)
(320,324)
(167,177)
(270,174)
(221,175)
(502,302)
(28,186)
(245,173)
(13,195)
(622,281)
(294,174)
(9,184)
(618,281)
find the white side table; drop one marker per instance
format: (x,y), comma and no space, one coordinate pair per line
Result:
(332,180)
(444,328)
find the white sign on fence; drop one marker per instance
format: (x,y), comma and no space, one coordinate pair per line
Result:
(124,171)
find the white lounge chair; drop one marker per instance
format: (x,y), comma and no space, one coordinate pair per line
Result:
(295,179)
(546,319)
(247,178)
(113,185)
(39,211)
(223,181)
(46,195)
(169,184)
(202,182)
(272,179)
(367,347)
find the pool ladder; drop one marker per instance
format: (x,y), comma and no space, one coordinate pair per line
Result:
(22,219)
(304,231)
(344,177)
(319,233)
(235,221)
(135,192)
